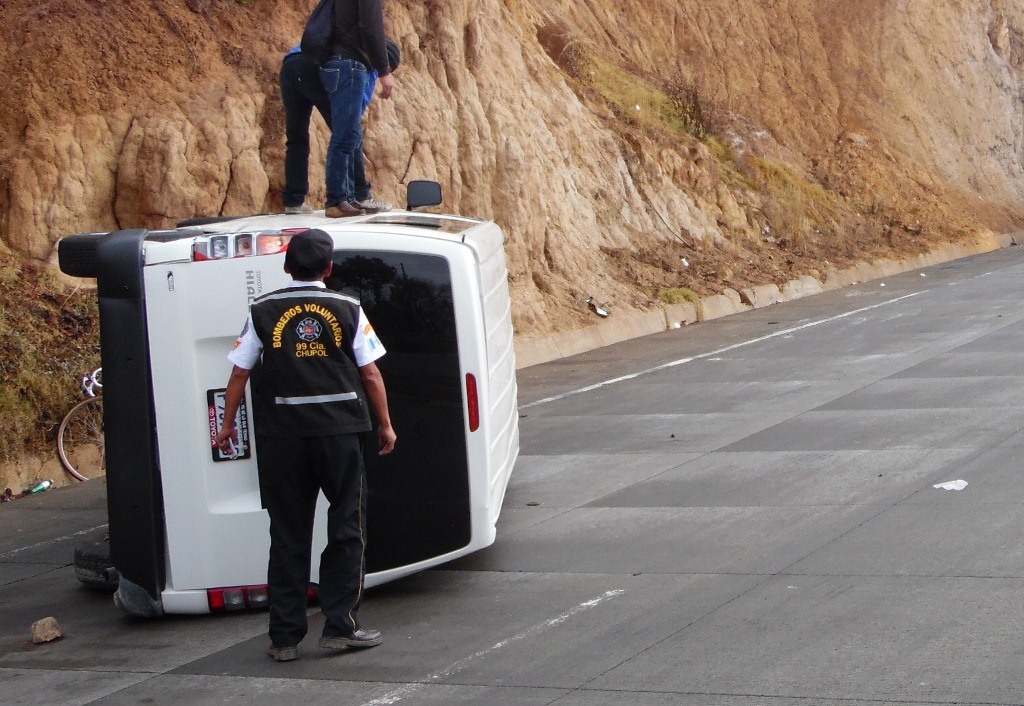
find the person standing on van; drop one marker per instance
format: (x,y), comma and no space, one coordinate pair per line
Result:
(301,91)
(361,186)
(311,396)
(358,47)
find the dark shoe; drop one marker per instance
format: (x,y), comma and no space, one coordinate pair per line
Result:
(283,654)
(359,639)
(343,210)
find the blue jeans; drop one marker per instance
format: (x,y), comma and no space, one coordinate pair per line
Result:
(360,186)
(345,82)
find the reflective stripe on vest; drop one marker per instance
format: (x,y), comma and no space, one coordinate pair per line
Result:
(316,399)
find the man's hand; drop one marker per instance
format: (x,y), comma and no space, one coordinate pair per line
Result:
(387,438)
(378,398)
(387,84)
(226,437)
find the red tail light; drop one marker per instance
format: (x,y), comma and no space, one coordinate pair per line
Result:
(226,600)
(237,598)
(473,402)
(216,599)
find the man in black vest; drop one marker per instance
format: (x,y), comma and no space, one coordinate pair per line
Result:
(316,380)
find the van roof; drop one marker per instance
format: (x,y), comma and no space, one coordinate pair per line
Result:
(219,238)
(427,222)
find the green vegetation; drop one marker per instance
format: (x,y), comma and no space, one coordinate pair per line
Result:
(49,338)
(677,295)
(797,206)
(677,110)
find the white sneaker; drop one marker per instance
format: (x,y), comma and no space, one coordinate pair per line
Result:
(292,210)
(372,205)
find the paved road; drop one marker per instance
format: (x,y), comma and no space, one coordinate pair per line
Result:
(741,512)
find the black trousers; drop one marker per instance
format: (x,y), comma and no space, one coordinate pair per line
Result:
(293,471)
(301,91)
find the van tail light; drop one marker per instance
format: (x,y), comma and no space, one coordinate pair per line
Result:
(473,401)
(258,597)
(235,598)
(216,599)
(222,246)
(230,600)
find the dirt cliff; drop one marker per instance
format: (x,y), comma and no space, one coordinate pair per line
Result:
(633,151)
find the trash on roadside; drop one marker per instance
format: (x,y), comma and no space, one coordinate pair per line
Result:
(951,485)
(595,308)
(46,630)
(39,487)
(6,496)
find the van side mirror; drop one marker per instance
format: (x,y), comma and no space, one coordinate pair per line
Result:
(422,193)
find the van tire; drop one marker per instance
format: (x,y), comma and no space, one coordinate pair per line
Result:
(93,566)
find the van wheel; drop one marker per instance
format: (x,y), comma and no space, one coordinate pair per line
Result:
(93,566)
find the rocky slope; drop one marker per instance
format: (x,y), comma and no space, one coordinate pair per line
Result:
(633,151)
(829,122)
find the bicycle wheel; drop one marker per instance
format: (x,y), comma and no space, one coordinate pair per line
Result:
(80,440)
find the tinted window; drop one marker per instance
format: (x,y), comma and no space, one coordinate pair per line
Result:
(418,503)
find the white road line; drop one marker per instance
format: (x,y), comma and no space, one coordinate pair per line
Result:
(710,354)
(11,553)
(396,695)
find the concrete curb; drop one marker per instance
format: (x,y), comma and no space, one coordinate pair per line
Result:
(543,349)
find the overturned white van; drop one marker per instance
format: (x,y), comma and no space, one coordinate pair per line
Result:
(187,531)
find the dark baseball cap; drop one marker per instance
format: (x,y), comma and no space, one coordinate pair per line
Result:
(309,253)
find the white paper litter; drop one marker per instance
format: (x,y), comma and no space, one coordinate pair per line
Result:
(951,485)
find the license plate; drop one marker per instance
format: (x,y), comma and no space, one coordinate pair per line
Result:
(242,449)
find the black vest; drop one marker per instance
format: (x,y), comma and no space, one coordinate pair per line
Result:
(308,383)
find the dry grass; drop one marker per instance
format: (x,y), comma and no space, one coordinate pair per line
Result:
(677,295)
(798,210)
(675,110)
(634,96)
(48,339)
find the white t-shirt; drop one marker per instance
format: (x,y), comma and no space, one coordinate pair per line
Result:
(247,349)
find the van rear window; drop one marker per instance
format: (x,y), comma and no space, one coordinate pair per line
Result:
(422,489)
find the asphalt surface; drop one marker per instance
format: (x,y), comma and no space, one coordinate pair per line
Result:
(739,512)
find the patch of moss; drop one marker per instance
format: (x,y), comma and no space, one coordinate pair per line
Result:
(678,295)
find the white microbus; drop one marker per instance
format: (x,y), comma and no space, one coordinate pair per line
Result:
(187,530)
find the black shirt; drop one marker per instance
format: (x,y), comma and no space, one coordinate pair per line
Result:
(359,33)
